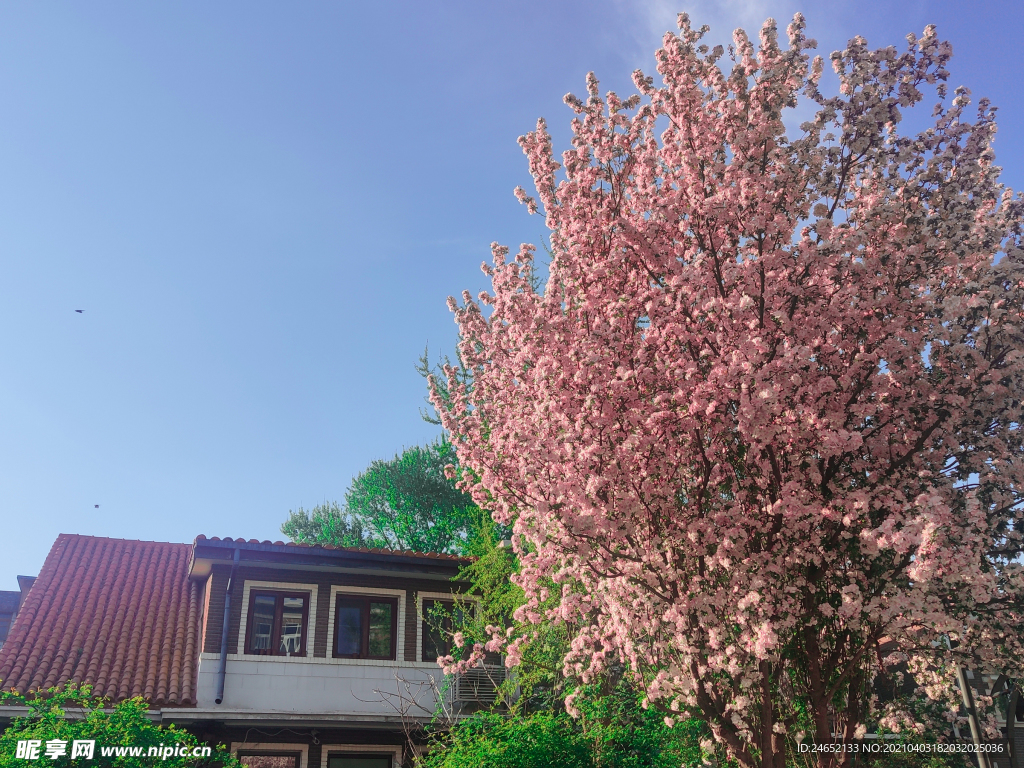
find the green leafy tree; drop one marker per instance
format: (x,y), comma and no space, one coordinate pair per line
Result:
(403,503)
(69,714)
(410,503)
(326,523)
(490,573)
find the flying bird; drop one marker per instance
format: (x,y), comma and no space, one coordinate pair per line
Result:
(97,506)
(79,311)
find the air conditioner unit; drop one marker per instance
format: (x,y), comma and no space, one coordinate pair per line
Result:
(479,685)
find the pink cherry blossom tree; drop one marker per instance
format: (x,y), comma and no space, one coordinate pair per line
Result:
(762,425)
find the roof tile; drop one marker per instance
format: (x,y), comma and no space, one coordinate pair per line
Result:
(118,615)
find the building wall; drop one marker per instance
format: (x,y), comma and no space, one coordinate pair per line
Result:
(313,687)
(317,683)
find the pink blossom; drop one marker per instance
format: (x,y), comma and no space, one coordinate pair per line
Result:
(761,422)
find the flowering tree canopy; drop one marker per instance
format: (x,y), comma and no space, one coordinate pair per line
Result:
(762,424)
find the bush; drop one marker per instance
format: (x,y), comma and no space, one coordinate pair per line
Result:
(69,714)
(612,731)
(487,740)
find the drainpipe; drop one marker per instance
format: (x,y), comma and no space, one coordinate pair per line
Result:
(222,669)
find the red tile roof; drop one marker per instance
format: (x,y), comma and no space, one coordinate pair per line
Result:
(404,552)
(118,615)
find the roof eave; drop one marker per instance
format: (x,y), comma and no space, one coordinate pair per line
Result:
(214,550)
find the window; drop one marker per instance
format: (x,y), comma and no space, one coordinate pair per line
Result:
(365,627)
(277,623)
(270,759)
(440,617)
(359,761)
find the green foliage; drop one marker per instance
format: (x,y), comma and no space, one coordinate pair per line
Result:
(437,380)
(613,731)
(622,734)
(489,740)
(71,713)
(402,503)
(326,523)
(491,571)
(410,504)
(539,683)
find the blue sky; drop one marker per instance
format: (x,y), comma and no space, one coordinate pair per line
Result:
(262,207)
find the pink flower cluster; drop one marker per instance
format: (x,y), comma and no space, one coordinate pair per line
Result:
(762,425)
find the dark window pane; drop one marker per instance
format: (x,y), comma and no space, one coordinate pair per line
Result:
(349,619)
(359,761)
(433,644)
(263,610)
(437,629)
(269,761)
(291,626)
(380,629)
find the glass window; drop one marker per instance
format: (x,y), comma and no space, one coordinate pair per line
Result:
(349,618)
(292,614)
(269,760)
(264,609)
(359,761)
(365,627)
(277,623)
(380,629)
(440,618)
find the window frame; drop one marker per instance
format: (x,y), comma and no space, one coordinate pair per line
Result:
(364,640)
(275,632)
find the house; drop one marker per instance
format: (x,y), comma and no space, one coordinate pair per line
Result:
(296,656)
(10,602)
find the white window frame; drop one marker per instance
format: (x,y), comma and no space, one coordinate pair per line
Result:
(326,749)
(447,596)
(279,586)
(336,590)
(267,746)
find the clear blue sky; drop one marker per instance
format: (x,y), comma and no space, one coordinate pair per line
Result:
(261,208)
